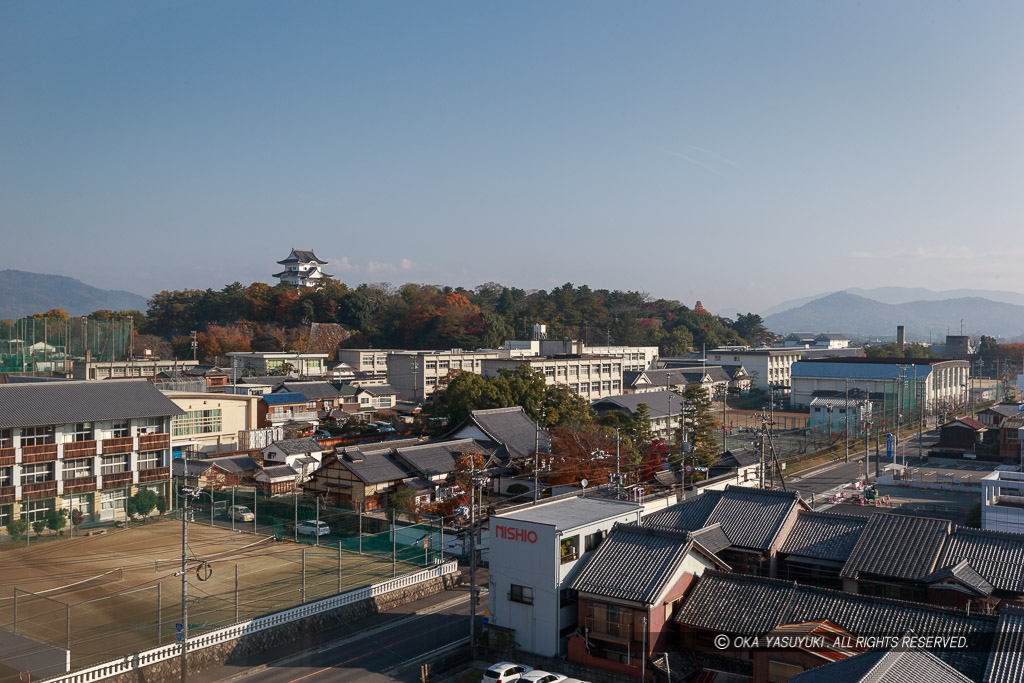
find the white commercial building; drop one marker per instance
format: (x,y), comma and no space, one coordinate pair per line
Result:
(534,552)
(590,376)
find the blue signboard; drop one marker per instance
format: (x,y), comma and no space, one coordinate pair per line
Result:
(888,445)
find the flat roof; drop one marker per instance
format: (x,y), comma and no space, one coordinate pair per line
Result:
(570,513)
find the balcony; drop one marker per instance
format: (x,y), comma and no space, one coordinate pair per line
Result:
(154,442)
(80,449)
(42,489)
(80,484)
(118,479)
(618,630)
(7,494)
(122,444)
(46,452)
(296,415)
(155,474)
(6,457)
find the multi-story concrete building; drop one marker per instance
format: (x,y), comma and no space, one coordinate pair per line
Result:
(1002,502)
(147,368)
(81,445)
(366,363)
(302,269)
(210,423)
(279,363)
(533,552)
(590,376)
(416,375)
(634,358)
(769,367)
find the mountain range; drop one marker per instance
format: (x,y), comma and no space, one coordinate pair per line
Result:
(929,319)
(23,294)
(904,295)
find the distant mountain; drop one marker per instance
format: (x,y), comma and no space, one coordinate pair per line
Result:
(23,293)
(857,315)
(903,295)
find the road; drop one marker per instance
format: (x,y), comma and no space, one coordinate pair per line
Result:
(373,655)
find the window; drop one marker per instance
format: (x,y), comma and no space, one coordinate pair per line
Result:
(456,365)
(201,422)
(617,368)
(5,514)
(442,365)
(35,510)
(112,500)
(430,365)
(39,472)
(616,386)
(35,436)
(82,431)
(549,371)
(592,541)
(585,371)
(560,371)
(150,425)
(364,400)
(606,386)
(574,371)
(6,477)
(523,594)
(596,369)
(113,464)
(73,469)
(120,429)
(431,381)
(6,438)
(570,549)
(150,460)
(575,387)
(81,503)
(606,368)
(595,387)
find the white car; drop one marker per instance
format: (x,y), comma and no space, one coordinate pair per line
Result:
(240,513)
(503,672)
(538,676)
(311,527)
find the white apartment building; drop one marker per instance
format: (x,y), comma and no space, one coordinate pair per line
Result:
(769,367)
(634,358)
(590,376)
(416,375)
(533,552)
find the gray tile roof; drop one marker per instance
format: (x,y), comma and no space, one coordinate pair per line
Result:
(712,538)
(373,467)
(750,605)
(751,518)
(297,446)
(964,573)
(235,464)
(634,563)
(510,427)
(897,546)
(432,459)
(996,555)
(1006,663)
(823,535)
(379,390)
(279,471)
(659,403)
(33,404)
(312,390)
(302,256)
(738,457)
(895,666)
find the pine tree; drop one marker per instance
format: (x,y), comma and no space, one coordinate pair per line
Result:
(700,423)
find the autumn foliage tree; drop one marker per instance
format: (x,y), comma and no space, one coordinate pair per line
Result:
(578,454)
(216,342)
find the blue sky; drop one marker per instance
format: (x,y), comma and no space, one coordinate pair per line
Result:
(737,153)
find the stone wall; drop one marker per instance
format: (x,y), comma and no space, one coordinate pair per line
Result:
(226,653)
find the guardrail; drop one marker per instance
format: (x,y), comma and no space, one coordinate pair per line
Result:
(133,662)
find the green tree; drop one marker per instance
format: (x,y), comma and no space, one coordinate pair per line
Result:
(521,386)
(16,528)
(56,519)
(700,424)
(563,407)
(465,393)
(39,526)
(144,502)
(640,432)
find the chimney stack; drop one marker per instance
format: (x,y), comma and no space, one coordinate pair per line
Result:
(901,336)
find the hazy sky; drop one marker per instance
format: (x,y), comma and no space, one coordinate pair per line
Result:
(740,153)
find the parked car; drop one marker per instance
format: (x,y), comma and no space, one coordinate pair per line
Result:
(382,428)
(538,676)
(311,527)
(240,513)
(503,672)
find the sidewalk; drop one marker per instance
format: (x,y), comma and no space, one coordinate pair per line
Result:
(244,665)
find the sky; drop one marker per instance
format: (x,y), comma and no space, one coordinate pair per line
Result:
(737,153)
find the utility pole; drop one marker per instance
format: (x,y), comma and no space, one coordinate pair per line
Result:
(536,459)
(846,430)
(472,550)
(618,470)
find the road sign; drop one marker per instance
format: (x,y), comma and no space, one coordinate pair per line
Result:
(179,628)
(179,637)
(888,445)
(689,468)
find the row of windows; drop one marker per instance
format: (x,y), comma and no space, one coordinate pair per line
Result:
(597,387)
(197,422)
(445,366)
(82,467)
(81,431)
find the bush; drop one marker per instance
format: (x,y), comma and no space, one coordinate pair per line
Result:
(17,528)
(518,489)
(56,520)
(161,504)
(77,517)
(39,526)
(143,502)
